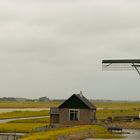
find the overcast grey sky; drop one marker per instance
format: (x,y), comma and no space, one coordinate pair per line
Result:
(54,48)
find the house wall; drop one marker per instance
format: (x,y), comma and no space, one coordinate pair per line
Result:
(54,119)
(86,117)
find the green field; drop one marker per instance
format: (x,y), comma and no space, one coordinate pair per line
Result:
(111,109)
(20,127)
(118,105)
(104,114)
(22,114)
(75,133)
(29,104)
(105,105)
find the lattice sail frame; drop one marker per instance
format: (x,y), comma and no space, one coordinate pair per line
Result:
(121,64)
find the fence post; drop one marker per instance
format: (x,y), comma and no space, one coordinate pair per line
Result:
(14,136)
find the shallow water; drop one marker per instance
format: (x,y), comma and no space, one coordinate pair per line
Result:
(4,110)
(5,136)
(8,120)
(134,135)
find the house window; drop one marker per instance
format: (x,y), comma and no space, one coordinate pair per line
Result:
(74,114)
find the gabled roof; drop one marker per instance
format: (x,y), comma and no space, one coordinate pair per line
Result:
(86,101)
(77,101)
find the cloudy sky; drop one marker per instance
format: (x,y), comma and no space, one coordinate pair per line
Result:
(54,48)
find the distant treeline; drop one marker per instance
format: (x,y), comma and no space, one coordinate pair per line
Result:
(41,99)
(46,99)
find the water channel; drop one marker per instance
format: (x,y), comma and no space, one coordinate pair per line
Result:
(134,135)
(10,136)
(5,110)
(8,120)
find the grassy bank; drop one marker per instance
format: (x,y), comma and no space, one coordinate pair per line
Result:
(21,114)
(20,127)
(73,133)
(24,126)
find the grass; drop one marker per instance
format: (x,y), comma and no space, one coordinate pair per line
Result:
(75,133)
(24,125)
(103,114)
(98,104)
(21,114)
(28,104)
(118,105)
(20,127)
(36,120)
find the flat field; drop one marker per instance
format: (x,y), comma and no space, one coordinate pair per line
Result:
(117,105)
(104,109)
(111,109)
(104,114)
(20,127)
(23,114)
(28,104)
(104,105)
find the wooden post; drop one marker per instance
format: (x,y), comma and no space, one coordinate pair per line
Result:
(14,136)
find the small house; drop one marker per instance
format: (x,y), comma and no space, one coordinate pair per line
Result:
(76,110)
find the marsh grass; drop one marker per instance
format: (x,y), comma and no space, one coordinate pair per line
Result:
(118,105)
(104,114)
(29,104)
(23,114)
(20,127)
(99,104)
(77,132)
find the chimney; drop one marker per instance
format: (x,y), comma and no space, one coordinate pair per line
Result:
(81,94)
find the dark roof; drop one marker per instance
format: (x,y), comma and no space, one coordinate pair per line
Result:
(77,101)
(85,101)
(122,61)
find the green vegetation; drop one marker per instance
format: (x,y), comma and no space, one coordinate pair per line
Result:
(22,114)
(29,104)
(104,114)
(103,104)
(111,109)
(24,125)
(77,132)
(20,127)
(118,105)
(36,120)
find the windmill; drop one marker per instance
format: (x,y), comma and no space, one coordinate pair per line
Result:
(121,64)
